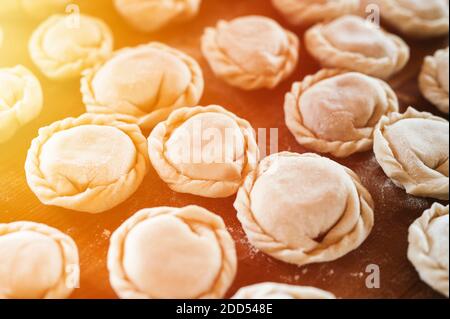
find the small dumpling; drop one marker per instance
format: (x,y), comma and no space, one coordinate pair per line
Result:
(144,83)
(38,9)
(352,43)
(74,163)
(251,52)
(412,149)
(151,15)
(434,79)
(336,111)
(270,290)
(63,51)
(21,100)
(205,151)
(304,209)
(37,262)
(308,12)
(416,18)
(172,253)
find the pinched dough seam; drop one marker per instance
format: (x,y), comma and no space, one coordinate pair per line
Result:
(279,250)
(184,184)
(410,23)
(96,199)
(429,83)
(394,169)
(299,13)
(69,254)
(329,56)
(191,214)
(270,289)
(232,73)
(429,269)
(61,68)
(146,120)
(304,136)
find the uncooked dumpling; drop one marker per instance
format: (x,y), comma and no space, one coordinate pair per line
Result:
(336,111)
(74,163)
(39,9)
(270,290)
(304,209)
(172,253)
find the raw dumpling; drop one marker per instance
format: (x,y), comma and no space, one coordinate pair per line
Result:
(63,51)
(39,9)
(21,100)
(434,80)
(145,83)
(352,43)
(412,149)
(172,253)
(205,151)
(151,15)
(89,164)
(336,111)
(428,247)
(304,209)
(309,12)
(270,290)
(251,52)
(37,262)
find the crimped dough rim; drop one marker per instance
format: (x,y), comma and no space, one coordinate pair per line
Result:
(394,169)
(146,120)
(184,184)
(428,268)
(127,290)
(306,137)
(95,199)
(281,251)
(69,254)
(271,288)
(63,68)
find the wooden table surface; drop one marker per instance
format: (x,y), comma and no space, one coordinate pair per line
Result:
(346,277)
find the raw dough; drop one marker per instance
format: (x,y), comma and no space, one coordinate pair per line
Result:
(251,52)
(146,83)
(164,252)
(37,262)
(428,247)
(336,111)
(352,43)
(90,164)
(270,290)
(412,149)
(21,100)
(205,151)
(39,9)
(62,49)
(151,15)
(416,18)
(304,209)
(308,12)
(434,79)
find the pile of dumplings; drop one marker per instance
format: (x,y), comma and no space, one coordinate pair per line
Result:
(297,208)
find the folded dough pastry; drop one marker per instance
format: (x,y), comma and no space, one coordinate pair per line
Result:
(412,149)
(146,83)
(416,18)
(336,111)
(179,253)
(352,43)
(270,290)
(428,247)
(251,52)
(37,262)
(62,50)
(309,12)
(151,15)
(39,9)
(205,151)
(89,164)
(434,80)
(304,209)
(21,100)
